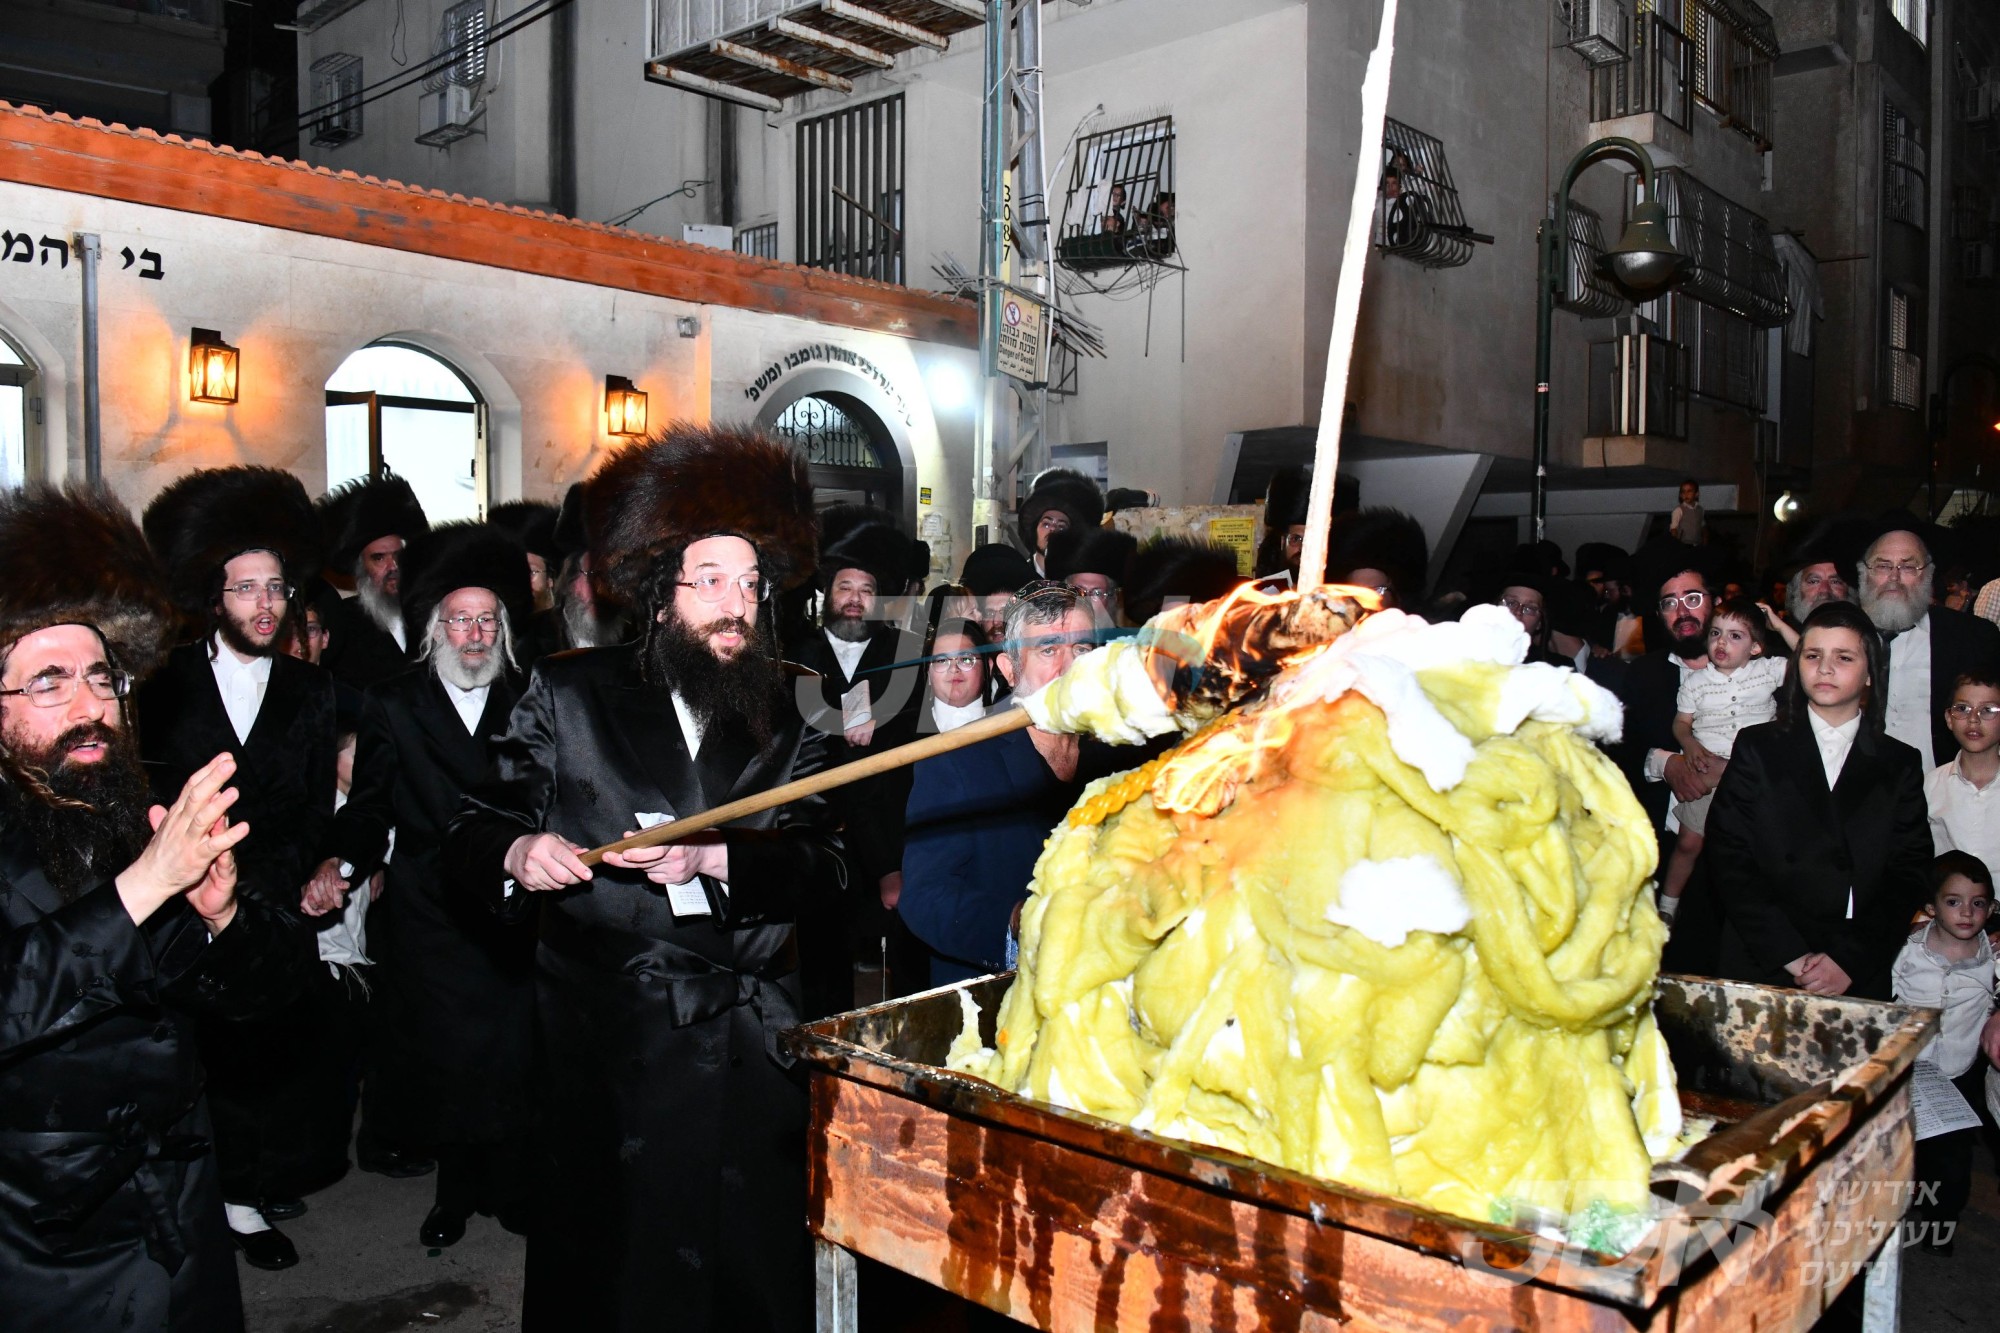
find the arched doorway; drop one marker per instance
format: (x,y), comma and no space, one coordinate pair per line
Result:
(18,404)
(852,455)
(396,406)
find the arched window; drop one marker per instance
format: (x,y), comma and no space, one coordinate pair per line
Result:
(17,400)
(394,406)
(852,457)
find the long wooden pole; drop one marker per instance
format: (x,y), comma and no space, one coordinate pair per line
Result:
(986,728)
(1347,300)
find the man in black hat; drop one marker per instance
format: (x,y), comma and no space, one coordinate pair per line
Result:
(112,942)
(993,574)
(669,1144)
(1097,563)
(1383,549)
(532,524)
(367,523)
(457,1000)
(234,541)
(1930,646)
(1060,499)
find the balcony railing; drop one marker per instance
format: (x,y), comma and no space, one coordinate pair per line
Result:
(1717,53)
(1652,79)
(208,13)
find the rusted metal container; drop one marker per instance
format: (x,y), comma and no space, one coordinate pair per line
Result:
(1068,1222)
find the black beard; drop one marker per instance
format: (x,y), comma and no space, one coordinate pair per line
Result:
(848,629)
(87,821)
(233,634)
(1687,649)
(744,689)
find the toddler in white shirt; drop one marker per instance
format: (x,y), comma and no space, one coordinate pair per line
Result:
(1737,689)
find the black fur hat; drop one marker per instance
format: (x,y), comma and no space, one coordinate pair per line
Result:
(995,567)
(1178,567)
(876,548)
(1104,551)
(1385,539)
(207,518)
(366,510)
(1288,499)
(463,555)
(531,523)
(569,536)
(1065,489)
(75,557)
(688,482)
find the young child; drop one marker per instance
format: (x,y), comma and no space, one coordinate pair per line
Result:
(1948,965)
(1963,799)
(1738,688)
(1687,522)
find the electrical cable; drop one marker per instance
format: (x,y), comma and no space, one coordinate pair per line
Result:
(688,187)
(534,12)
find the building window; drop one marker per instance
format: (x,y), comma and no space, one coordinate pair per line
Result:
(396,407)
(336,99)
(1915,16)
(1121,209)
(17,404)
(1417,212)
(829,434)
(1733,262)
(462,33)
(850,191)
(760,240)
(1902,167)
(1725,353)
(1906,363)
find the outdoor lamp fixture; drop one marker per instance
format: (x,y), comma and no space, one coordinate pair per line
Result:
(1785,508)
(624,407)
(212,367)
(1643,264)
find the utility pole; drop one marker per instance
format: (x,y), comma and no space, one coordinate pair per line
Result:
(1013,258)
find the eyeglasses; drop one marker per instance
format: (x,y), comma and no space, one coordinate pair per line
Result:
(1963,712)
(465,624)
(1519,607)
(1903,569)
(715,587)
(57,688)
(963,662)
(1094,594)
(1691,600)
(249,591)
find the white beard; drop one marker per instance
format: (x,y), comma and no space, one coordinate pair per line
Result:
(454,669)
(1894,614)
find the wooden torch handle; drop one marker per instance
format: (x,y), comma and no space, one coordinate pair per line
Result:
(986,728)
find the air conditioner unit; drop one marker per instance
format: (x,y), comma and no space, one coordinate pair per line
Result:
(1982,99)
(1598,30)
(446,116)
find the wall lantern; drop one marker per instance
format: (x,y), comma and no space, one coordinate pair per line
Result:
(212,365)
(624,407)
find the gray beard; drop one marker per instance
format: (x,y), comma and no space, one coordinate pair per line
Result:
(585,629)
(1893,615)
(454,669)
(379,606)
(848,629)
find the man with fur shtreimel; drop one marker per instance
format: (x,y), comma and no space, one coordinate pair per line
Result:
(367,522)
(112,941)
(671,1136)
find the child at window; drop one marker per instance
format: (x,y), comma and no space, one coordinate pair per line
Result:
(1948,965)
(1738,688)
(1964,801)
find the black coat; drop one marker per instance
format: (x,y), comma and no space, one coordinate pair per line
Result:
(456,984)
(1648,686)
(671,1137)
(260,1079)
(358,651)
(110,1209)
(1959,643)
(1783,852)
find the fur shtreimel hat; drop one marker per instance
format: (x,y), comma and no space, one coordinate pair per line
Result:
(1288,499)
(995,567)
(207,518)
(876,548)
(366,510)
(1065,489)
(1385,539)
(463,555)
(688,482)
(1104,551)
(75,557)
(531,523)
(569,535)
(1178,567)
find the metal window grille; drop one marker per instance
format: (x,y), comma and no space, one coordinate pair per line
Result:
(1719,53)
(1903,189)
(1418,215)
(1734,264)
(462,32)
(1638,386)
(760,240)
(850,190)
(1915,16)
(1653,78)
(1585,290)
(1906,367)
(1726,354)
(1600,31)
(827,434)
(336,84)
(1121,207)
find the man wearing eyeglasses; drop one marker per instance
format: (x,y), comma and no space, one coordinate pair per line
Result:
(1930,647)
(669,1146)
(455,999)
(234,541)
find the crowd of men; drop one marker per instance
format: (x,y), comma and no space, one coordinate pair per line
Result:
(285,872)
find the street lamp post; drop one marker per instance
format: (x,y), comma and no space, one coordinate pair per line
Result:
(1643,264)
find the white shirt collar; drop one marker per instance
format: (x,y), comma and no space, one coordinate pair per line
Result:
(690,724)
(471,704)
(241,685)
(950,717)
(1823,730)
(228,666)
(848,654)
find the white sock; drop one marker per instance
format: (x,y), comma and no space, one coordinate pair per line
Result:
(244,1219)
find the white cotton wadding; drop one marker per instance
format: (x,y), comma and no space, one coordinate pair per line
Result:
(1549,693)
(1386,900)
(1109,694)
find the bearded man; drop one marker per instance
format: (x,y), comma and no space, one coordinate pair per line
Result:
(670,1142)
(367,522)
(234,541)
(457,1000)
(1929,646)
(111,942)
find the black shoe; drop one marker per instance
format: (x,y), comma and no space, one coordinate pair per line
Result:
(282,1210)
(442,1228)
(270,1250)
(394,1163)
